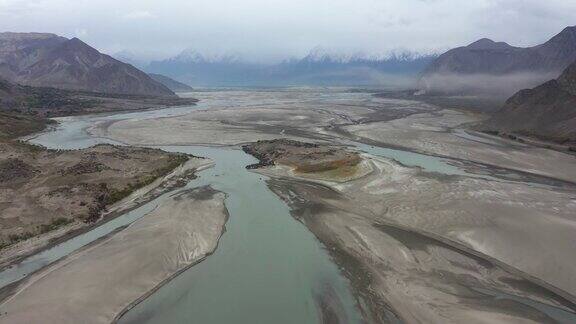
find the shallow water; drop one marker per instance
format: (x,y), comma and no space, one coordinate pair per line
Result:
(410,159)
(268,268)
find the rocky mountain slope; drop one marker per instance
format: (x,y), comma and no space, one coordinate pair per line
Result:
(48,60)
(547,111)
(486,66)
(171,83)
(10,94)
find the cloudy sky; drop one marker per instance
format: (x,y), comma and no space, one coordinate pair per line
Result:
(275,29)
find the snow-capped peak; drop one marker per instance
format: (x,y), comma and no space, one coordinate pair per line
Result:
(193,56)
(189,56)
(321,54)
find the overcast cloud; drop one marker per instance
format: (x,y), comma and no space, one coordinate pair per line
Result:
(275,29)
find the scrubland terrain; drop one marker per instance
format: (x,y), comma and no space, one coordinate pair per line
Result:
(45,189)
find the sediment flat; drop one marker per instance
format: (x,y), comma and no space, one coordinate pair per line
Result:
(104,279)
(250,117)
(442,133)
(444,258)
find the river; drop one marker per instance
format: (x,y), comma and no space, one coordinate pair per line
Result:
(268,268)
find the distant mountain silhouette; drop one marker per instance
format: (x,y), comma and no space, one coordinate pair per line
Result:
(48,60)
(317,68)
(547,111)
(509,68)
(171,83)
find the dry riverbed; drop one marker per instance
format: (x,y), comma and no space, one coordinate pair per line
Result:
(252,116)
(105,279)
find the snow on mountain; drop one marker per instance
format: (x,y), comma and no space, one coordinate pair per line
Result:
(320,66)
(192,56)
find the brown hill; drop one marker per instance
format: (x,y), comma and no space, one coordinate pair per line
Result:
(48,60)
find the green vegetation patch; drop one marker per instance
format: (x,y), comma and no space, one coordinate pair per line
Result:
(42,229)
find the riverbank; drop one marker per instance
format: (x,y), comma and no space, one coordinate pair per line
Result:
(483,107)
(51,102)
(31,112)
(137,196)
(103,280)
(44,189)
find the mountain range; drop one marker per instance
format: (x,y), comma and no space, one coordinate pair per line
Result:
(486,66)
(48,60)
(317,68)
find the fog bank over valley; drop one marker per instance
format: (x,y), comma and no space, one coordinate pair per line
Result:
(488,85)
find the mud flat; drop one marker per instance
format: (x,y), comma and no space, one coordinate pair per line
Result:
(105,279)
(470,250)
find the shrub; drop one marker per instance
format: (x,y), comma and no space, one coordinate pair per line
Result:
(55,224)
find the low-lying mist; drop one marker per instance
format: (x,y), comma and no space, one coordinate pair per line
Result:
(356,76)
(501,86)
(280,76)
